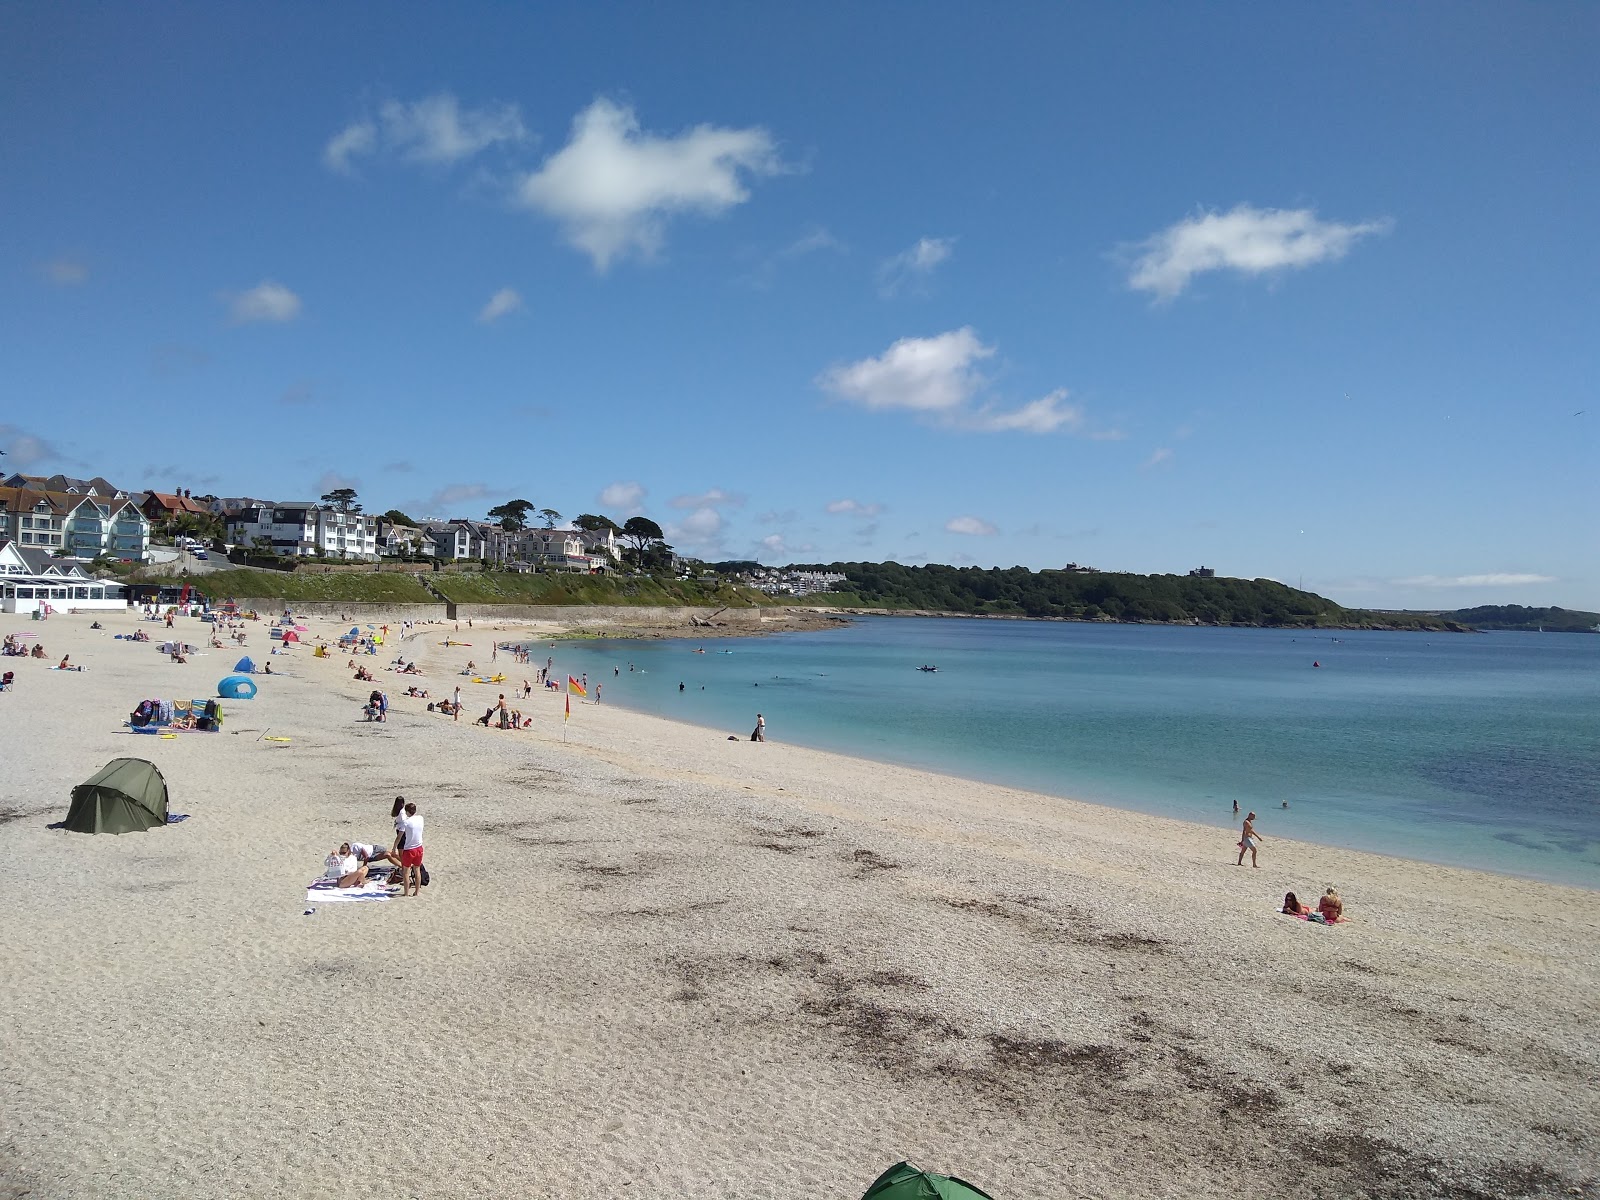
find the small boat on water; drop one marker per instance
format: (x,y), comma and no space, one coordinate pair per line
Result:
(930,669)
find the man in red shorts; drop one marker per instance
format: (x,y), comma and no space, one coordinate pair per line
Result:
(411,852)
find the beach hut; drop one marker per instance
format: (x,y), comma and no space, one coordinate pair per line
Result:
(904,1182)
(125,795)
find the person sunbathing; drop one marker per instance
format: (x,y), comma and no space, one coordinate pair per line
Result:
(344,866)
(38,650)
(1330,908)
(1292,906)
(369,853)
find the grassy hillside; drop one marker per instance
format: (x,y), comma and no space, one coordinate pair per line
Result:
(389,587)
(505,587)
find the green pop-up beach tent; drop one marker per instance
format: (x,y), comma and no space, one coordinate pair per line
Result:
(904,1182)
(125,795)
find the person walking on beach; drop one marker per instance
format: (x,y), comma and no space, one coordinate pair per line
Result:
(411,851)
(456,705)
(759,734)
(1249,839)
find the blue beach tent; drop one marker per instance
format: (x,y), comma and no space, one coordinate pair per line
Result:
(237,687)
(245,665)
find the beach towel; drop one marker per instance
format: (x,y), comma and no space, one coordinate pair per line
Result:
(328,891)
(173,818)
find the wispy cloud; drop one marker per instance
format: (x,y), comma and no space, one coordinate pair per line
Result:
(434,131)
(776,545)
(502,303)
(1493,579)
(332,481)
(400,468)
(1160,456)
(267,301)
(1247,240)
(24,449)
(854,508)
(714,498)
(970,526)
(613,187)
(938,379)
(453,495)
(65,272)
(911,269)
(624,494)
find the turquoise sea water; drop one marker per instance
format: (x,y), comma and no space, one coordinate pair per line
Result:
(1478,750)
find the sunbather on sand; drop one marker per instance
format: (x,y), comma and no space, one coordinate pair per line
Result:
(1331,907)
(346,867)
(368,853)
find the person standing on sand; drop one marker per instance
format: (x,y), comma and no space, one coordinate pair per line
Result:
(759,734)
(1249,839)
(456,706)
(411,852)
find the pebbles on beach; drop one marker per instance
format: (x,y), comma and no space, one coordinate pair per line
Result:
(656,962)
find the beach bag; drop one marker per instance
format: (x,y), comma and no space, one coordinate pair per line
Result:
(424,869)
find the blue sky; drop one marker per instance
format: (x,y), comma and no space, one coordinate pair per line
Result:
(1297,291)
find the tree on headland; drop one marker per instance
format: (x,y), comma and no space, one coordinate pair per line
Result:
(395,517)
(640,532)
(343,499)
(512,515)
(593,523)
(549,516)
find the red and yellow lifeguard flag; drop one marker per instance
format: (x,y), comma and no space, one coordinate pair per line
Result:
(568,717)
(575,688)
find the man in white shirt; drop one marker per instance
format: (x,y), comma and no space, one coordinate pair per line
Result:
(411,852)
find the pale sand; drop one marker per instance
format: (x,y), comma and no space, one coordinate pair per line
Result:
(654,962)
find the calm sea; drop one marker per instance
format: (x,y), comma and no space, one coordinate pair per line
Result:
(1479,750)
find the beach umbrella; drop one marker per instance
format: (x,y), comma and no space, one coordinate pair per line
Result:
(355,632)
(904,1182)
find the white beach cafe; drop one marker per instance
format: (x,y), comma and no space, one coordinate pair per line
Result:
(31,581)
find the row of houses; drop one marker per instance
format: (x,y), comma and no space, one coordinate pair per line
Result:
(776,581)
(76,517)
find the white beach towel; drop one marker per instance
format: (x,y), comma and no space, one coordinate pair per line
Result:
(328,891)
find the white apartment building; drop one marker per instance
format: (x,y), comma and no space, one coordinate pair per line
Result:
(81,524)
(303,528)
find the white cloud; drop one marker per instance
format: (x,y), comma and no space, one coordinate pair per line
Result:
(65,272)
(710,499)
(434,131)
(267,301)
(929,375)
(612,187)
(1161,455)
(1044,415)
(972,526)
(854,508)
(356,139)
(24,449)
(1500,579)
(500,304)
(914,267)
(625,494)
(938,378)
(1246,239)
(810,243)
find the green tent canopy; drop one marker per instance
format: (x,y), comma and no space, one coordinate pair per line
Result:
(125,795)
(904,1182)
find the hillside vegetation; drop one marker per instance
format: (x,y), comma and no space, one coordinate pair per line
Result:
(386,587)
(1515,616)
(1104,596)
(507,587)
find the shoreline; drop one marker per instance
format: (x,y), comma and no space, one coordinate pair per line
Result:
(697,966)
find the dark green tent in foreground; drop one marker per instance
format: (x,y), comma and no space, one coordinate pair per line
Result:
(904,1182)
(125,795)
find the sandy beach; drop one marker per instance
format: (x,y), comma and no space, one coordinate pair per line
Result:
(656,962)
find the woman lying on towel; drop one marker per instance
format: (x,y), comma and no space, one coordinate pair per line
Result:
(1329,910)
